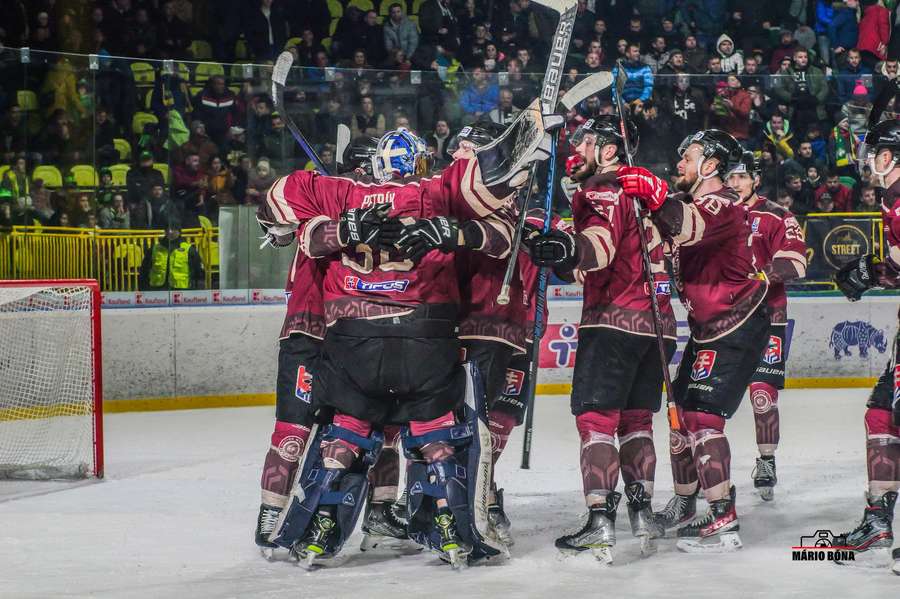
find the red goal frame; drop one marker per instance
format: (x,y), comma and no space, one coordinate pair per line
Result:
(96,352)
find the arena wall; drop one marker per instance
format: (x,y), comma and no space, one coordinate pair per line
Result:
(195,356)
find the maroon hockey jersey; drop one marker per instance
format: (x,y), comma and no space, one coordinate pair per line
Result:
(303,292)
(529,273)
(890,219)
(712,260)
(364,284)
(616,293)
(778,250)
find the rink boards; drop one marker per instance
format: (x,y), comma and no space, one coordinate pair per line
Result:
(161,356)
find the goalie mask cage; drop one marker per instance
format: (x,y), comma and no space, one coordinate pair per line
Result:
(51,417)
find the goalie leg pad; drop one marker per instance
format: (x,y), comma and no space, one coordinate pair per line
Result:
(462,478)
(319,486)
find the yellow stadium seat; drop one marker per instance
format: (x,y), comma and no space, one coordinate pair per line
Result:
(241,51)
(416,5)
(236,72)
(123,147)
(119,174)
(310,166)
(3,170)
(84,175)
(362,5)
(335,9)
(333,27)
(140,119)
(49,174)
(201,50)
(326,43)
(27,99)
(385,9)
(183,71)
(148,99)
(195,89)
(164,169)
(414,19)
(143,73)
(205,70)
(294,41)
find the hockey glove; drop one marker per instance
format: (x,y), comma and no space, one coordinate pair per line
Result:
(639,182)
(858,276)
(369,226)
(573,163)
(426,234)
(556,249)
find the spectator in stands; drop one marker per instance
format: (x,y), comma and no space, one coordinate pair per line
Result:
(656,55)
(438,23)
(13,134)
(82,212)
(266,30)
(851,74)
(156,209)
(730,109)
(106,190)
(40,202)
(874,32)
(842,148)
(785,49)
(371,38)
(522,87)
(349,28)
(639,85)
(480,97)
(58,144)
(506,112)
(114,88)
(856,110)
(216,106)
(694,55)
(278,145)
(16,180)
(309,45)
(513,30)
(684,107)
(260,180)
(840,194)
(173,263)
(104,134)
(786,200)
(803,160)
(583,28)
(868,200)
(143,35)
(732,60)
(173,34)
(439,139)
(328,120)
(813,177)
(400,32)
(803,194)
(752,75)
(824,203)
(220,183)
(843,30)
(636,34)
(59,89)
(198,143)
(805,91)
(190,188)
(42,36)
(779,133)
(141,179)
(473,50)
(674,66)
(115,216)
(367,121)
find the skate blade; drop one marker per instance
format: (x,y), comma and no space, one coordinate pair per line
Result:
(268,553)
(384,543)
(603,554)
(727,542)
(766,493)
(871,559)
(457,559)
(896,567)
(648,545)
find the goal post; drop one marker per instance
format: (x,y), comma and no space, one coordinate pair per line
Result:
(51,387)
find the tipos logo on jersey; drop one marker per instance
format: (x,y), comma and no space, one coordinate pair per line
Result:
(303,389)
(703,364)
(514,381)
(357,284)
(661,287)
(772,355)
(754,226)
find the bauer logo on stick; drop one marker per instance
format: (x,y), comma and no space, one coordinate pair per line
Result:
(703,364)
(772,354)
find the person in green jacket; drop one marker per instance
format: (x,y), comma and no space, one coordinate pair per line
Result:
(172,263)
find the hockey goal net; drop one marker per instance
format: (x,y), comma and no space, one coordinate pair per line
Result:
(51,421)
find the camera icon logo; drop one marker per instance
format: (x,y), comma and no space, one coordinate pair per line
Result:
(820,538)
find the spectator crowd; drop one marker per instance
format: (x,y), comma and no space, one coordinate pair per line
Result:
(793,81)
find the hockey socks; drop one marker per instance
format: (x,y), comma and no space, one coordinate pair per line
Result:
(684,472)
(882,452)
(637,454)
(599,456)
(712,454)
(287,446)
(764,398)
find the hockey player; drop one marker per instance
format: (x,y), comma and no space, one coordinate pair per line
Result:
(390,301)
(780,253)
(618,377)
(872,538)
(729,322)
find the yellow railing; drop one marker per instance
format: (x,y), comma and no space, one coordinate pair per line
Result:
(111,256)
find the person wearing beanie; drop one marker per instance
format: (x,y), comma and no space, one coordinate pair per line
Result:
(852,74)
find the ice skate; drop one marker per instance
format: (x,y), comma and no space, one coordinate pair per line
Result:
(399,508)
(643,525)
(871,540)
(383,530)
(452,549)
(598,533)
(716,532)
(498,522)
(680,510)
(313,548)
(265,524)
(764,478)
(895,567)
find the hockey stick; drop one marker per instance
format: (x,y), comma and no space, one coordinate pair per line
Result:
(343,140)
(587,87)
(674,424)
(279,76)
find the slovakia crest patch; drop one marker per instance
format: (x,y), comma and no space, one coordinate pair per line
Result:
(703,364)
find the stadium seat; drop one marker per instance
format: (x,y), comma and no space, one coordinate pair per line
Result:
(335,9)
(326,43)
(148,99)
(294,41)
(195,89)
(84,175)
(363,5)
(183,71)
(414,19)
(201,50)
(848,182)
(333,27)
(205,70)
(143,73)
(416,5)
(385,9)
(123,147)
(164,169)
(236,72)
(27,99)
(140,119)
(241,51)
(49,174)
(119,174)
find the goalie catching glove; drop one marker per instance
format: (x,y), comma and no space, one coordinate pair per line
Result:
(369,226)
(441,233)
(858,276)
(556,249)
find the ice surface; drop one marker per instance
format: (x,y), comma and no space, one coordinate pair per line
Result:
(175,516)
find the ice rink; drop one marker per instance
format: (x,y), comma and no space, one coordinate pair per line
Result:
(175,516)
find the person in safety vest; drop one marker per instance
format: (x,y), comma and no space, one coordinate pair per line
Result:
(172,263)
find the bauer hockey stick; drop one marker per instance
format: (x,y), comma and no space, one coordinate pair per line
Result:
(559,49)
(279,77)
(674,423)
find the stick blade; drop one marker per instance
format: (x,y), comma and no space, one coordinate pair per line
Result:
(282,68)
(559,6)
(621,76)
(586,88)
(343,140)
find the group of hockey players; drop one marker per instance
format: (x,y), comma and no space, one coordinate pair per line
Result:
(394,340)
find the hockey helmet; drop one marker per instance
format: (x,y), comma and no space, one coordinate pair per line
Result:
(884,135)
(477,134)
(748,164)
(400,153)
(717,144)
(359,154)
(606,128)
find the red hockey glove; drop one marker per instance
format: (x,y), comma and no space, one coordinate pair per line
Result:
(641,183)
(573,163)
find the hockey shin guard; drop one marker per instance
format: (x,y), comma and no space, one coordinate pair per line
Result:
(501,425)
(882,452)
(287,446)
(712,454)
(599,456)
(765,413)
(684,472)
(637,454)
